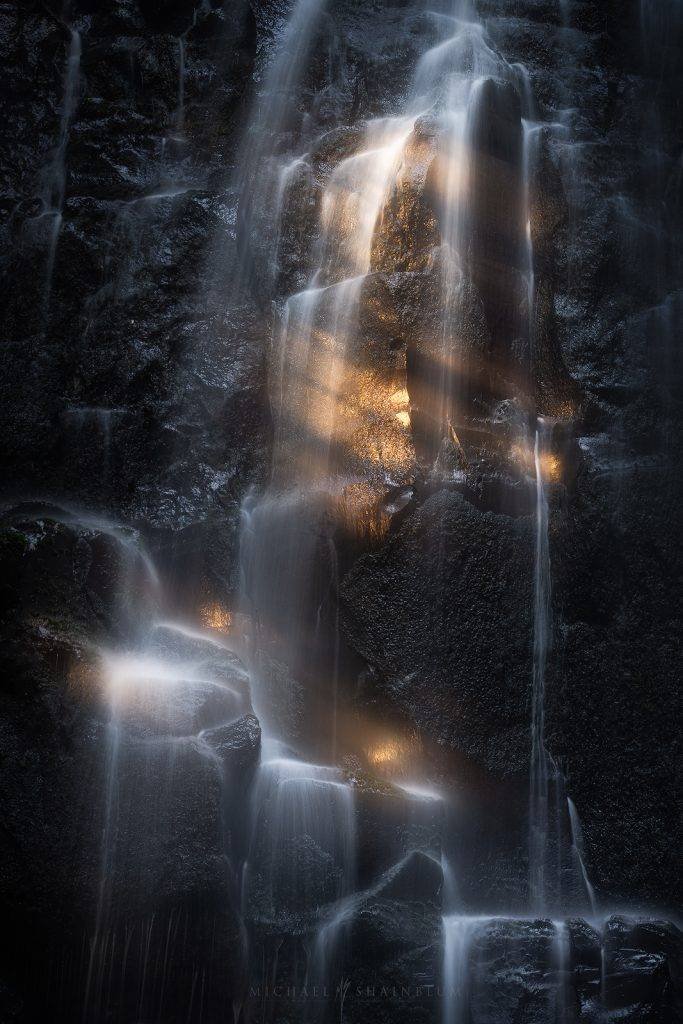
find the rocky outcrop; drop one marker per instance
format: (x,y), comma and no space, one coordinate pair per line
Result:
(443,672)
(594,219)
(539,971)
(140,385)
(112,816)
(135,386)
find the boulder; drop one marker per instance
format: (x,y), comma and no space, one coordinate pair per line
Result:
(237,745)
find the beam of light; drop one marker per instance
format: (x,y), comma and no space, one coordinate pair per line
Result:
(550,464)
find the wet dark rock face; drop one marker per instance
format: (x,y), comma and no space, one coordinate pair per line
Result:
(143,394)
(131,388)
(115,841)
(441,554)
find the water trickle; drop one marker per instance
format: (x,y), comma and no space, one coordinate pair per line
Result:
(259,165)
(458,932)
(332,937)
(526,92)
(330,942)
(540,772)
(303,836)
(561,966)
(578,854)
(531,138)
(450,896)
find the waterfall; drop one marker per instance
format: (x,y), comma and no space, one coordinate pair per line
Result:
(289,564)
(531,135)
(425,330)
(562,971)
(259,165)
(170,691)
(296,804)
(310,372)
(459,933)
(54,175)
(540,771)
(578,854)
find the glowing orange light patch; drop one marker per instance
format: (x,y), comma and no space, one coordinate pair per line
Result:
(215,616)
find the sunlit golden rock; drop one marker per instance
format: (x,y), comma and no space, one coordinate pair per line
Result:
(393,755)
(362,516)
(373,431)
(407,229)
(215,616)
(412,327)
(550,463)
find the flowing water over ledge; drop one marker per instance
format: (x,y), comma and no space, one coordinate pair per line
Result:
(252,789)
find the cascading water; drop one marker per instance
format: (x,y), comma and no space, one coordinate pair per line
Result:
(458,935)
(561,959)
(578,854)
(540,772)
(259,166)
(287,569)
(172,691)
(350,830)
(294,804)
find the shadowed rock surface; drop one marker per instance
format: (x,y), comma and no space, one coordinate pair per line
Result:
(142,304)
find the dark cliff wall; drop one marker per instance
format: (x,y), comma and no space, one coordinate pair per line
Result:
(128,389)
(141,403)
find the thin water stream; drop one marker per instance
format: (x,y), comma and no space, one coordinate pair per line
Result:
(166,689)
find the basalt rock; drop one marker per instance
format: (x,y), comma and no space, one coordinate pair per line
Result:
(114,826)
(130,387)
(119,400)
(495,219)
(237,745)
(73,574)
(443,546)
(407,230)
